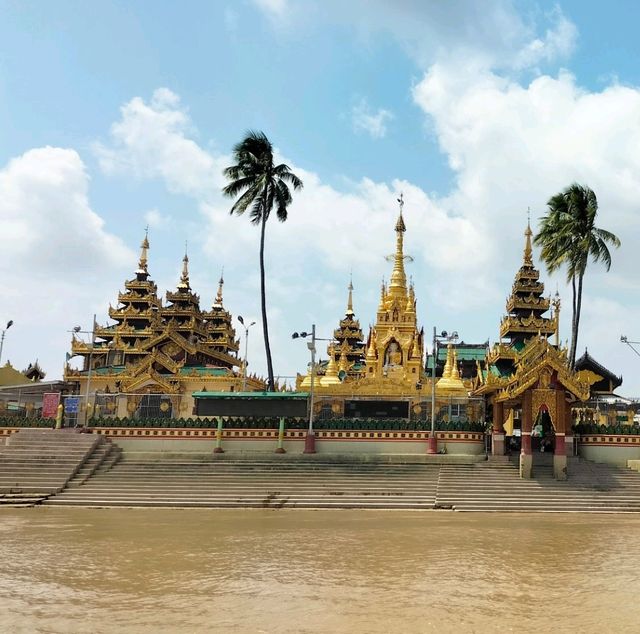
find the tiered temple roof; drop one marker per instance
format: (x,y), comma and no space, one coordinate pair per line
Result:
(155,344)
(346,351)
(528,360)
(525,318)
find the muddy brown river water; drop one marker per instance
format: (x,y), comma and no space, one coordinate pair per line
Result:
(124,570)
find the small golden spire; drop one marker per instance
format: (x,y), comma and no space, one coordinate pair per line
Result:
(331,374)
(528,259)
(455,374)
(371,350)
(446,373)
(144,248)
(556,316)
(184,278)
(218,302)
(383,295)
(350,312)
(344,365)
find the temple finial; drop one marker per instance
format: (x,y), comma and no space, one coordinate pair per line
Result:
(556,316)
(350,300)
(144,248)
(398,282)
(184,278)
(528,259)
(218,301)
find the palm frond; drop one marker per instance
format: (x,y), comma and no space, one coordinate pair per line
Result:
(240,206)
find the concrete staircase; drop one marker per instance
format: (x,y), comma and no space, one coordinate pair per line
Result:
(590,488)
(323,484)
(258,484)
(37,463)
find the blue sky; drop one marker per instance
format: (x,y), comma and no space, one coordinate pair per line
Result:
(115,115)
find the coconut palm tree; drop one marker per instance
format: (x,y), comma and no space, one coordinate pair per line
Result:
(568,237)
(260,187)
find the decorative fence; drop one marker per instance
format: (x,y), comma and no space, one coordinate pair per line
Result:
(352,424)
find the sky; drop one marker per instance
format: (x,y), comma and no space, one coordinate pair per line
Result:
(119,115)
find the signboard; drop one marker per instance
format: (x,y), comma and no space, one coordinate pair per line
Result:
(50,402)
(71,404)
(258,405)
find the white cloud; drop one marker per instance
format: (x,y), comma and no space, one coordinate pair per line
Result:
(151,141)
(488,34)
(157,220)
(58,262)
(558,42)
(372,122)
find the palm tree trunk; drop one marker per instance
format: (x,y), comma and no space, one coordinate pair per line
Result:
(263,298)
(576,322)
(574,309)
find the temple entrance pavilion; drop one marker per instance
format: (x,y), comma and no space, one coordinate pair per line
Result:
(542,384)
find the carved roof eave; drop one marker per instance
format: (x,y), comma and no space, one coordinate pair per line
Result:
(166,386)
(526,377)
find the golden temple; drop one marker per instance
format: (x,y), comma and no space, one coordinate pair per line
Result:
(172,349)
(391,361)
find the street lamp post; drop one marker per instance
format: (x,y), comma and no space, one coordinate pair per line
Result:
(432,447)
(623,339)
(9,324)
(310,440)
(246,348)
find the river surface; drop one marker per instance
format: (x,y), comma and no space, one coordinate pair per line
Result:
(125,570)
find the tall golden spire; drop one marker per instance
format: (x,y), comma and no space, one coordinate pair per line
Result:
(144,248)
(218,301)
(184,278)
(350,300)
(528,259)
(398,282)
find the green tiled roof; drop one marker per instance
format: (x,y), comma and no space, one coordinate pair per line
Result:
(464,353)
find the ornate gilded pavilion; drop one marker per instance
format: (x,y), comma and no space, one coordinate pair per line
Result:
(529,376)
(170,349)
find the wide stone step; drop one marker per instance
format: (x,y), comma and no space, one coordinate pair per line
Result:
(317,504)
(83,492)
(35,489)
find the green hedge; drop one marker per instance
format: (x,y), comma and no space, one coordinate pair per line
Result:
(258,422)
(594,428)
(16,421)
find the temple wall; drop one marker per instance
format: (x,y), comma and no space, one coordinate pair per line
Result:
(610,449)
(264,441)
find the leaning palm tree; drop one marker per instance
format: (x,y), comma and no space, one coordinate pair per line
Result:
(260,186)
(568,237)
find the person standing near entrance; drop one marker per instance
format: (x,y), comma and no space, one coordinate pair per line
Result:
(538,432)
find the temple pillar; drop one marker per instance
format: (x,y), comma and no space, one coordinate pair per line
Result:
(526,459)
(560,452)
(569,438)
(497,432)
